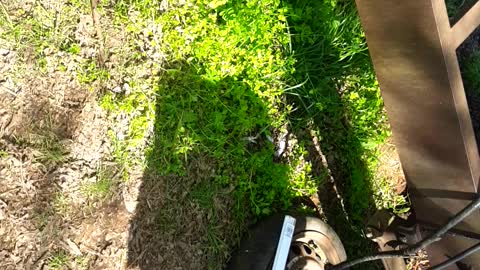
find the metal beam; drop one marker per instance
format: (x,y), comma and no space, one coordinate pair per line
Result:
(466,25)
(413,51)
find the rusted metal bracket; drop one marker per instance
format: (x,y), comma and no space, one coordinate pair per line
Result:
(413,49)
(382,229)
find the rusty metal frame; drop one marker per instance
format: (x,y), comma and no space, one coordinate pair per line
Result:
(413,50)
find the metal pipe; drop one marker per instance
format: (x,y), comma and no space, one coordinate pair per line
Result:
(410,251)
(457,258)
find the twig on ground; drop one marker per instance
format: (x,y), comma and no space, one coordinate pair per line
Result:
(98,29)
(9,20)
(8,90)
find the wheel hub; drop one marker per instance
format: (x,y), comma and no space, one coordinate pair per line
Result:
(305,263)
(305,254)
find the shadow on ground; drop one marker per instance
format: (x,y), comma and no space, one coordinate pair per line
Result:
(339,84)
(207,154)
(210,155)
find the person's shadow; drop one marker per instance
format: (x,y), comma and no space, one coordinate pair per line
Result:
(191,203)
(186,218)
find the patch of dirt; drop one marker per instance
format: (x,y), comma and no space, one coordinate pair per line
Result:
(54,144)
(42,207)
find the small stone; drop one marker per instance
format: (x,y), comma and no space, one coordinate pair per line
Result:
(117,90)
(126,88)
(74,249)
(4,52)
(130,205)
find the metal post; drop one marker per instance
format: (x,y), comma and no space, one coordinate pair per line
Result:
(413,49)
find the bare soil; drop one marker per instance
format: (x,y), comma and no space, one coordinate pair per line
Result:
(54,144)
(42,208)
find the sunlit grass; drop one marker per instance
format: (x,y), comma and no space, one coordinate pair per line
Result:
(236,73)
(203,91)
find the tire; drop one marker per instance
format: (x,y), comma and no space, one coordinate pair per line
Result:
(257,248)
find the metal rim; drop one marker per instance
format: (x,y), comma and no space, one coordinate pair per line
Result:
(311,250)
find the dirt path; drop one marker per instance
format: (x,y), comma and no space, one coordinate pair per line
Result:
(54,149)
(61,201)
(68,186)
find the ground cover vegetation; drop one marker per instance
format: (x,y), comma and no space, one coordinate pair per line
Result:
(214,114)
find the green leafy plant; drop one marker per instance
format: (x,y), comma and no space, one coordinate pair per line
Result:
(453,6)
(237,72)
(39,29)
(89,72)
(471,72)
(3,154)
(58,261)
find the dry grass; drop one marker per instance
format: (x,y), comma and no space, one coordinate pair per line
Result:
(64,202)
(389,177)
(390,167)
(53,137)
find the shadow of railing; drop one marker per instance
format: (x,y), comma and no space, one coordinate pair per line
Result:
(336,83)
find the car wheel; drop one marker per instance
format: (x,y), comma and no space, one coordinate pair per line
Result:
(314,245)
